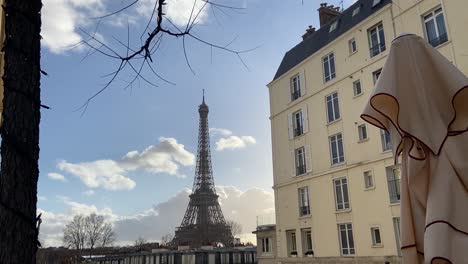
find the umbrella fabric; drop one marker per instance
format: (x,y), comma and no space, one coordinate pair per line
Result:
(421,100)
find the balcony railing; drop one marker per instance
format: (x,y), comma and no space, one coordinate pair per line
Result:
(295,95)
(301,169)
(298,131)
(440,40)
(377,49)
(266,220)
(304,210)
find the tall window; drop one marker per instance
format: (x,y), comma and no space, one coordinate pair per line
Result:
(341,194)
(295,87)
(386,140)
(336,149)
(346,239)
(352,46)
(393,180)
(376,239)
(333,26)
(292,246)
(307,241)
(333,108)
(300,161)
(376,75)
(266,245)
(368,179)
(298,124)
(434,24)
(304,207)
(356,10)
(362,130)
(329,67)
(376,40)
(357,89)
(396,229)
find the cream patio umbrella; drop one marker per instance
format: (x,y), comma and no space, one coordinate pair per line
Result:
(421,100)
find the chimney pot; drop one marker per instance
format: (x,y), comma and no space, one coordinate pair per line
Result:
(327,13)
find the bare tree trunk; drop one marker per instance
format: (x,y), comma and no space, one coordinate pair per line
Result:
(20,132)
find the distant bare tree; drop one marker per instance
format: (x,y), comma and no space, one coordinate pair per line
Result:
(88,232)
(140,242)
(74,234)
(236,227)
(166,239)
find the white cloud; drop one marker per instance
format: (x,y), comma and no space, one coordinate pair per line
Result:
(178,11)
(41,198)
(220,131)
(62,18)
(164,217)
(89,193)
(165,157)
(234,142)
(57,176)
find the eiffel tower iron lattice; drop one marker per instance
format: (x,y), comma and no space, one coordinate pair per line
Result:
(203,222)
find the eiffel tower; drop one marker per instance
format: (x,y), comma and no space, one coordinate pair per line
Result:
(203,222)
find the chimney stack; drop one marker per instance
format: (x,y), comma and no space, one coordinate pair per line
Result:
(327,13)
(309,32)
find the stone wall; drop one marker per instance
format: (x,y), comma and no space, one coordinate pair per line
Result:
(349,260)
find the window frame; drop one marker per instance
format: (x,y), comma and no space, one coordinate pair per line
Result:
(386,146)
(348,228)
(295,87)
(376,2)
(266,245)
(363,133)
(394,184)
(304,205)
(368,174)
(340,159)
(333,26)
(381,45)
(375,243)
(301,169)
(298,123)
(376,75)
(336,115)
(356,11)
(434,14)
(352,49)
(307,237)
(326,60)
(345,204)
(360,88)
(292,242)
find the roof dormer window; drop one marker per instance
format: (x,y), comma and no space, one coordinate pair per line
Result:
(356,10)
(376,2)
(333,26)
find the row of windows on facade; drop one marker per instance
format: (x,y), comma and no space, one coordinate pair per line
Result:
(345,236)
(337,157)
(435,31)
(208,258)
(342,201)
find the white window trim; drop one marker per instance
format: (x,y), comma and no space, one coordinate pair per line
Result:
(382,137)
(359,133)
(432,12)
(327,57)
(379,41)
(303,203)
(290,241)
(304,240)
(354,88)
(391,169)
(342,193)
(373,238)
(269,250)
(351,52)
(356,10)
(292,82)
(297,159)
(333,107)
(337,150)
(365,182)
(347,238)
(374,75)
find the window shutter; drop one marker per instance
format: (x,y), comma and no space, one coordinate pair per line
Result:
(305,119)
(302,82)
(293,164)
(308,159)
(290,126)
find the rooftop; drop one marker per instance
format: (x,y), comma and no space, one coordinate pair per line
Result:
(322,37)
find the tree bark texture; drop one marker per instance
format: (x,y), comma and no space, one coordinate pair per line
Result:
(20,132)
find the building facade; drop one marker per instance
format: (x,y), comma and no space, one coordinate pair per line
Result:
(336,184)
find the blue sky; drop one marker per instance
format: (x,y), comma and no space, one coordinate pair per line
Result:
(84,153)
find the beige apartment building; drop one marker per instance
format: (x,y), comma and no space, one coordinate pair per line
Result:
(336,185)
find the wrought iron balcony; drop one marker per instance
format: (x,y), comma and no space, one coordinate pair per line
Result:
(377,49)
(301,169)
(304,210)
(295,95)
(440,40)
(298,131)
